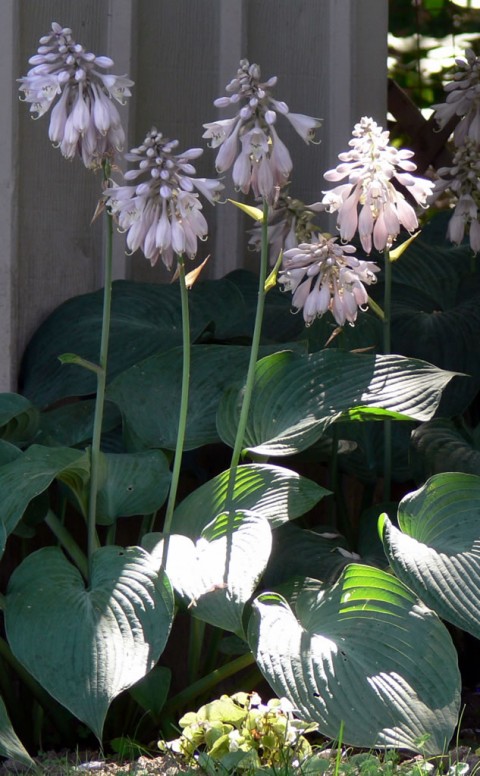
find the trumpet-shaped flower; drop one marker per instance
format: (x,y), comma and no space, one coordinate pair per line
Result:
(324,275)
(463,100)
(162,213)
(84,118)
(369,201)
(263,163)
(463,179)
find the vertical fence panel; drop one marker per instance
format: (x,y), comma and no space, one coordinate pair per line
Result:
(8,195)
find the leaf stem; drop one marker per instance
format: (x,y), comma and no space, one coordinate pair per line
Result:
(101,381)
(195,648)
(68,543)
(387,347)
(387,303)
(208,682)
(182,420)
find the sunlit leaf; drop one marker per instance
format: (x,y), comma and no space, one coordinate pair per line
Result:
(365,644)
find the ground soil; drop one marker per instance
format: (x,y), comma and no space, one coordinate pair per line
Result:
(92,764)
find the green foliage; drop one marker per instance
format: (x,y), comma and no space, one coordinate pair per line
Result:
(249,556)
(239,733)
(284,559)
(364,642)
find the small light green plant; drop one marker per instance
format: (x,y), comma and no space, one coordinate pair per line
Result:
(240,732)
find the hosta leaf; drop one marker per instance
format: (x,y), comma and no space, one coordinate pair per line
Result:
(146,319)
(142,319)
(18,418)
(441,445)
(153,421)
(32,472)
(71,425)
(10,744)
(278,325)
(151,692)
(86,645)
(296,396)
(131,484)
(217,575)
(365,644)
(366,460)
(436,268)
(437,551)
(298,552)
(276,493)
(447,338)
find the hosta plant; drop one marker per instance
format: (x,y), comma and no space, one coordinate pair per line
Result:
(130,526)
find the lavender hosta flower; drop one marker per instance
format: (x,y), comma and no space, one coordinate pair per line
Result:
(84,118)
(162,214)
(463,180)
(289,222)
(324,275)
(371,167)
(463,100)
(264,162)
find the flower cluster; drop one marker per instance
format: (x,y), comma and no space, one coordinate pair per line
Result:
(84,119)
(289,222)
(324,275)
(463,100)
(264,163)
(371,167)
(162,214)
(461,178)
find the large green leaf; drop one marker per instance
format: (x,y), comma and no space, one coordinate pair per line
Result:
(146,319)
(31,473)
(86,645)
(151,691)
(434,269)
(447,338)
(443,445)
(217,575)
(297,396)
(131,484)
(299,552)
(437,551)
(18,418)
(366,460)
(365,653)
(274,492)
(10,744)
(71,425)
(148,395)
(435,313)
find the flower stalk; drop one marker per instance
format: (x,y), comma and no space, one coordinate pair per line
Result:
(182,420)
(387,348)
(95,452)
(250,382)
